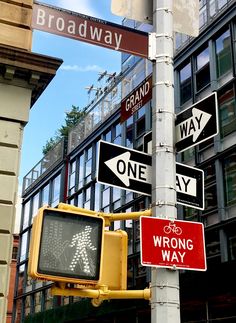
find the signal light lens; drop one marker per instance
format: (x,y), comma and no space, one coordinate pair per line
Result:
(69,247)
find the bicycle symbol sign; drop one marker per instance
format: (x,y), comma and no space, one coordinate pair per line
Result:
(172,227)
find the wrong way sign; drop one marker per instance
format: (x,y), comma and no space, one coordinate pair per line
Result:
(172,244)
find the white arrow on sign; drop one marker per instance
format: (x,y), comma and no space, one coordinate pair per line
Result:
(192,126)
(126,169)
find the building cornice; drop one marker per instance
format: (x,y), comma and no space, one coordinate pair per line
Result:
(24,68)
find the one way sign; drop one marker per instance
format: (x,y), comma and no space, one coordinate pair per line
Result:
(131,169)
(124,168)
(197,123)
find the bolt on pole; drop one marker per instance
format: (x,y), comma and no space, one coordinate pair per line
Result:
(165,307)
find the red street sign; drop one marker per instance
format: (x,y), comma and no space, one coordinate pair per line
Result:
(136,99)
(89,29)
(172,244)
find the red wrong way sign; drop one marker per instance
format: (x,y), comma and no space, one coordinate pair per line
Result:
(172,243)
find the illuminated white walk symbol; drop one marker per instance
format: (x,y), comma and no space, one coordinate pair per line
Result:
(83,244)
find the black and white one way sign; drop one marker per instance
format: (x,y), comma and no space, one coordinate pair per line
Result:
(197,123)
(131,169)
(124,168)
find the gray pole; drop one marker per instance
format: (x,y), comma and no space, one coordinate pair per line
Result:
(165,306)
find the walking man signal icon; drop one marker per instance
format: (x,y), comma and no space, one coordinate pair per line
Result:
(83,244)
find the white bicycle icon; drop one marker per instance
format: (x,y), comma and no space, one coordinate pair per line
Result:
(172,228)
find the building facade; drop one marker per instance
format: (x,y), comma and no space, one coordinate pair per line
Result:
(68,174)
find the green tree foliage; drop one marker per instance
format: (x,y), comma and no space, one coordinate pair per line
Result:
(71,119)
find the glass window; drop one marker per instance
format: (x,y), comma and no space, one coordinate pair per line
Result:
(128,196)
(26,215)
(116,197)
(72,177)
(35,206)
(202,15)
(188,154)
(213,246)
(212,7)
(227,107)
(107,137)
(129,230)
(129,132)
(190,214)
(106,196)
(45,195)
(87,198)
(80,200)
(23,249)
(210,188)
(140,123)
(27,305)
(230,179)
(37,304)
(14,253)
(88,165)
(117,134)
(56,191)
(97,197)
(223,54)
(185,83)
(48,300)
(81,171)
(232,247)
(221,3)
(202,69)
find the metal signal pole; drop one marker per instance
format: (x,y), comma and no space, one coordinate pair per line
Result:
(165,307)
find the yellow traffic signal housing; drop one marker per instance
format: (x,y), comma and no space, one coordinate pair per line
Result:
(114,260)
(66,247)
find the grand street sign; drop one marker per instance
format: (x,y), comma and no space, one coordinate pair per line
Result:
(136,99)
(132,170)
(197,123)
(89,29)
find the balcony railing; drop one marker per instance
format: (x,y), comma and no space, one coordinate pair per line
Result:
(53,157)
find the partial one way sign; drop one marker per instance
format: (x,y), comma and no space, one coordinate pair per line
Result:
(124,168)
(189,180)
(197,123)
(131,169)
(190,186)
(172,244)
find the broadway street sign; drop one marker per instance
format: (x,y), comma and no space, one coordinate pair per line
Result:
(131,169)
(197,123)
(89,29)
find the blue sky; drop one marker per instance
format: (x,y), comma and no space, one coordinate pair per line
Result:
(81,64)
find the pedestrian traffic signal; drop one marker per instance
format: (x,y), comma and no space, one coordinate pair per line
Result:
(114,260)
(66,247)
